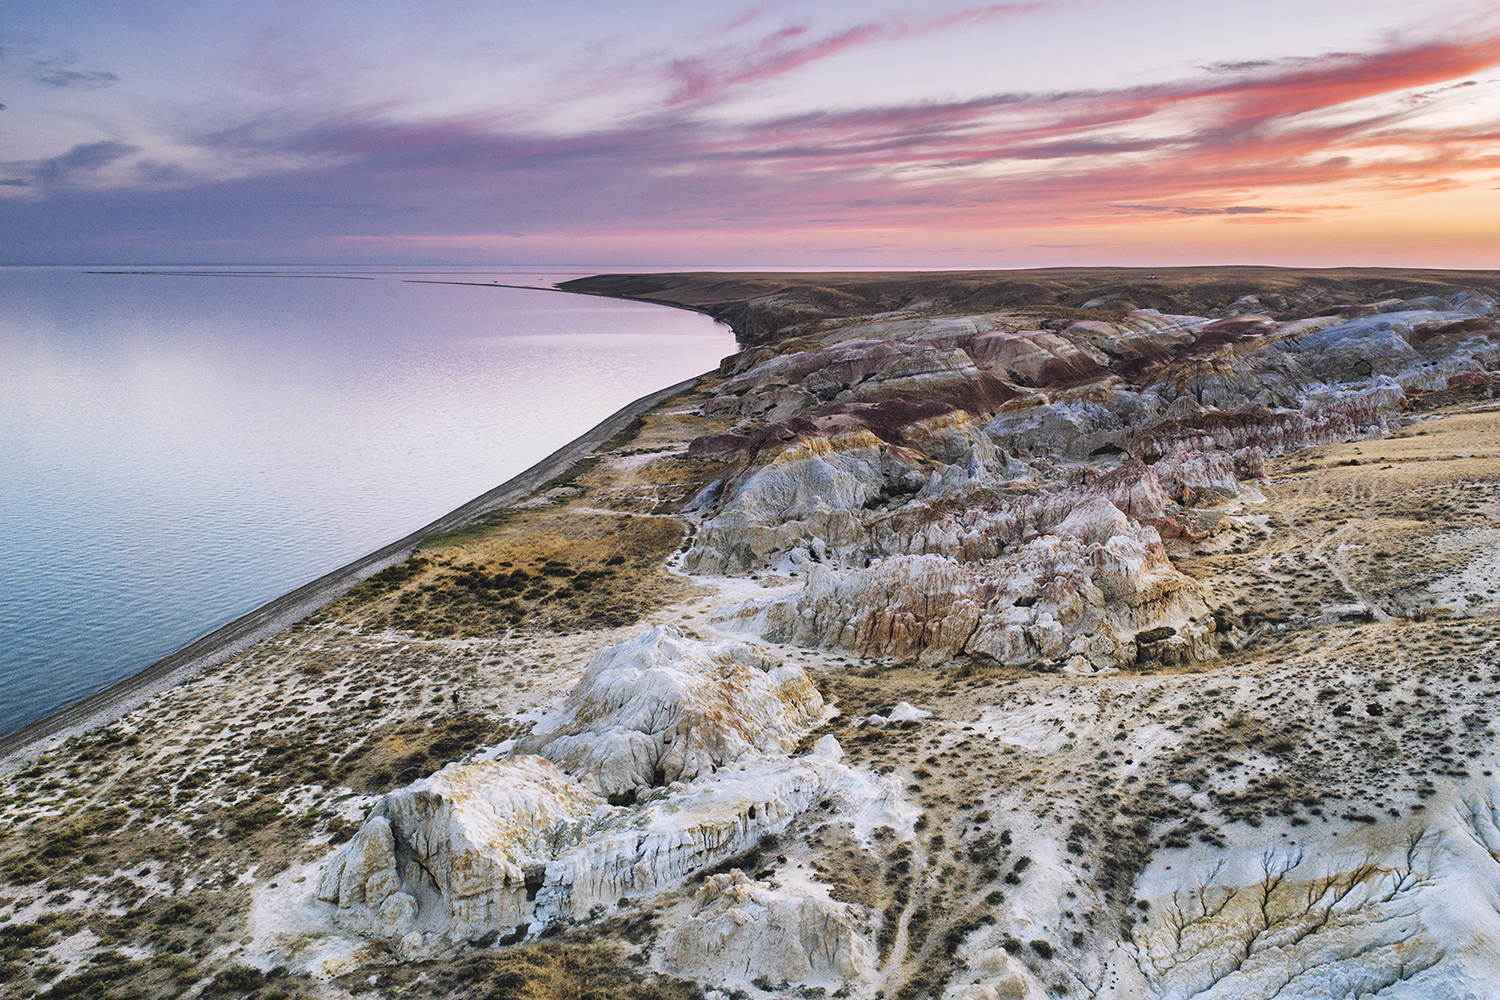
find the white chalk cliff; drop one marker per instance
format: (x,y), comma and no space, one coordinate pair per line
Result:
(741,930)
(506,847)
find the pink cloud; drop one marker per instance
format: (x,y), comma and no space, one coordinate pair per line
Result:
(703,77)
(1267,128)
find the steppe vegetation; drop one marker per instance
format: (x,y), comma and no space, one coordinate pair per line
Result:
(1270,820)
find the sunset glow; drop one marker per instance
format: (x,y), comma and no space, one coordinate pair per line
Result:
(1000,135)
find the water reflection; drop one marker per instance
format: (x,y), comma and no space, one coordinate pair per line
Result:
(176,449)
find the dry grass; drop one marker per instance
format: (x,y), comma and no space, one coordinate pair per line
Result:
(399,753)
(1357,522)
(558,569)
(547,970)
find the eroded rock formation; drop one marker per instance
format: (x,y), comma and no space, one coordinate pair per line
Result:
(502,847)
(1076,594)
(957,486)
(661,708)
(461,853)
(741,930)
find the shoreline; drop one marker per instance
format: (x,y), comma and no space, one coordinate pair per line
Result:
(106,705)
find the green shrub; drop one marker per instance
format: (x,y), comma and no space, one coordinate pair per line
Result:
(238,977)
(254,815)
(179,912)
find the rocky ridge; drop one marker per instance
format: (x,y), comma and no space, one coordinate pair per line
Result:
(991,491)
(975,492)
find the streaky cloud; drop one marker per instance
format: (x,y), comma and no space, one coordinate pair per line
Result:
(84,157)
(702,77)
(1010,158)
(1199,209)
(86,79)
(1272,141)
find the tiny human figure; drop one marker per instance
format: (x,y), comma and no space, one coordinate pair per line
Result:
(455,699)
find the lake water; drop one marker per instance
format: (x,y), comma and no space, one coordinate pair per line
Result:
(179,448)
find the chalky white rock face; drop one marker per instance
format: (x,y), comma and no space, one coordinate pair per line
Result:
(815,491)
(462,852)
(894,412)
(662,708)
(509,846)
(741,930)
(695,825)
(924,539)
(1070,575)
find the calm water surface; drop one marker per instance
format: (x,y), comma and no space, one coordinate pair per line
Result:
(177,449)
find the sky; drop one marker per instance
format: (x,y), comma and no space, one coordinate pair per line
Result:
(715,133)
